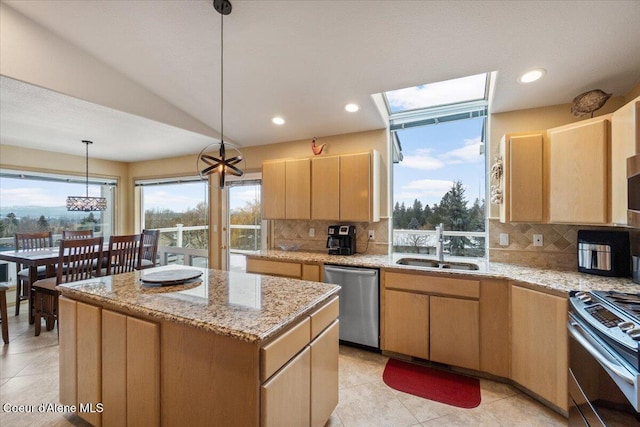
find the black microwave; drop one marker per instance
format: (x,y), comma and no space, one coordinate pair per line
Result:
(605,253)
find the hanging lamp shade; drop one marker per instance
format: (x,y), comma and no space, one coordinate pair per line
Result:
(86,203)
(227,156)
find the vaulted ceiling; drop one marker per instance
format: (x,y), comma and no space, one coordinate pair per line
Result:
(302,60)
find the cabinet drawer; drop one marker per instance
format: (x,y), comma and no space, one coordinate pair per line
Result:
(323,317)
(468,288)
(275,354)
(275,268)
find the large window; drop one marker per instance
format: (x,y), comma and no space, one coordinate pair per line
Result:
(179,209)
(34,202)
(439,166)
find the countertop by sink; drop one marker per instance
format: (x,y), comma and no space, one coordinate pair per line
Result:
(556,280)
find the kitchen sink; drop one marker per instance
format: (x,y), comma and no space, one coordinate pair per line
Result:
(431,263)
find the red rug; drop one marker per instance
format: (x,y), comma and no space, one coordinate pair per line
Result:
(433,384)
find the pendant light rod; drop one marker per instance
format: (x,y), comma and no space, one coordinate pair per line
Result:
(86,174)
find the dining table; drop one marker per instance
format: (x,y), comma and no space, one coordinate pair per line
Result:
(34,258)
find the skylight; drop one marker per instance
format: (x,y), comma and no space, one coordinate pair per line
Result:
(454,91)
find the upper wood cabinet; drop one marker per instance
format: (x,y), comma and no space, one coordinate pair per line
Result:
(522,182)
(579,173)
(625,142)
(341,188)
(360,187)
(325,195)
(286,189)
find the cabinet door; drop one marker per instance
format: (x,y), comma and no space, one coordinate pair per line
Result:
(68,341)
(523,188)
(114,368)
(143,373)
(298,189)
(406,323)
(285,400)
(325,188)
(579,173)
(324,375)
(311,272)
(89,360)
(355,187)
(625,137)
(539,343)
(454,332)
(273,190)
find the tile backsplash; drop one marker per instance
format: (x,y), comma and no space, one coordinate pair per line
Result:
(297,232)
(559,249)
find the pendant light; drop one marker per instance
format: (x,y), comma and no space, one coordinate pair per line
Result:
(223,163)
(86,203)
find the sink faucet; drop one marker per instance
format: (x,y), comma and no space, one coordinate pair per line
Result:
(440,244)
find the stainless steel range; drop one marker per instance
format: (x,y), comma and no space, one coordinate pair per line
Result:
(604,361)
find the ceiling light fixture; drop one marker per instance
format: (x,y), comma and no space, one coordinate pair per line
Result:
(352,108)
(86,203)
(532,75)
(278,121)
(222,164)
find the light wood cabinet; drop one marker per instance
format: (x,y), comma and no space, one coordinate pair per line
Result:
(522,178)
(454,331)
(286,397)
(360,187)
(579,173)
(324,375)
(294,270)
(325,192)
(539,343)
(495,339)
(111,359)
(625,142)
(406,323)
(432,317)
(286,189)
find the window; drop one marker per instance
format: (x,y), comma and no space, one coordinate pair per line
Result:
(34,202)
(179,208)
(439,166)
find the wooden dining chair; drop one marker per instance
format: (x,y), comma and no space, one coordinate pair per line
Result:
(150,240)
(125,254)
(29,241)
(76,261)
(77,234)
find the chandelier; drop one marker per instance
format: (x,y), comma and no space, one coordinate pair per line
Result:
(86,203)
(228,154)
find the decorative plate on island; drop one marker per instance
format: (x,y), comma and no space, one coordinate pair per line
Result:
(176,276)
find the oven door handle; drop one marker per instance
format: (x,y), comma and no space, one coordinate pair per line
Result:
(579,336)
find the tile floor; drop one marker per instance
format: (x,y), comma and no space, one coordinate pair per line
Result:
(29,376)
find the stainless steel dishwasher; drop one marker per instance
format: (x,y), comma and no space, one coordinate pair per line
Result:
(359,303)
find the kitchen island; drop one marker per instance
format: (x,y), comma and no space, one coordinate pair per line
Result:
(224,349)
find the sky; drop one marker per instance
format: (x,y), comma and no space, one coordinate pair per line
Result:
(435,156)
(25,192)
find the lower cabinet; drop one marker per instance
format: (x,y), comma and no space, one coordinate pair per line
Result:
(286,397)
(406,323)
(420,322)
(109,366)
(455,331)
(539,343)
(295,270)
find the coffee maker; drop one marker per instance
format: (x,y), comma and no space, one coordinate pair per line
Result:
(341,240)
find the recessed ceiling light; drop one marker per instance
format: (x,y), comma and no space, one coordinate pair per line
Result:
(352,108)
(532,76)
(278,120)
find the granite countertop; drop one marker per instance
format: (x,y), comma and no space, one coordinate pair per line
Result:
(556,280)
(249,307)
